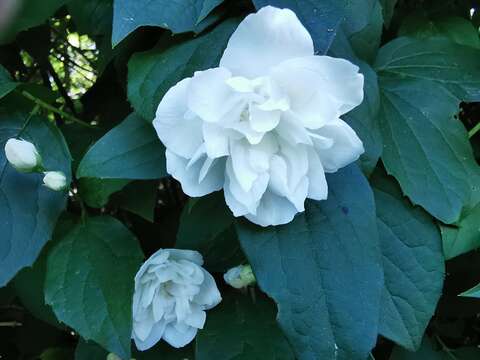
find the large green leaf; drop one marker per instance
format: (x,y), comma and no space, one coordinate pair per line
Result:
(89,281)
(215,240)
(6,82)
(364,118)
(363,26)
(152,73)
(463,236)
(138,197)
(432,351)
(178,16)
(388,8)
(457,29)
(413,265)
(425,148)
(437,59)
(324,270)
(96,192)
(88,350)
(322,18)
(242,329)
(28,209)
(131,150)
(30,13)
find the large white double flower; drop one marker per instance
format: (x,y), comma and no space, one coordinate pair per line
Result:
(265,125)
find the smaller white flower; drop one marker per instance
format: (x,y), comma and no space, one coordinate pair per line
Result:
(22,155)
(239,276)
(172,292)
(55,180)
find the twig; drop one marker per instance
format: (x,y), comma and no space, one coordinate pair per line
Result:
(10,324)
(53,109)
(474,130)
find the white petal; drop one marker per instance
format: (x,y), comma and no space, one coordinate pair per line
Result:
(273,210)
(178,128)
(190,255)
(320,88)
(189,176)
(239,200)
(209,296)
(177,338)
(263,120)
(347,147)
(317,183)
(242,170)
(210,97)
(265,39)
(155,335)
(196,318)
(291,130)
(216,140)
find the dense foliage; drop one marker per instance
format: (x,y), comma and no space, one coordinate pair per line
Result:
(386,268)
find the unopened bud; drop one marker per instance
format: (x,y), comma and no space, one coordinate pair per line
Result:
(240,276)
(55,180)
(22,155)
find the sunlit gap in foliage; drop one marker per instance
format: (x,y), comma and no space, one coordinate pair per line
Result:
(73,58)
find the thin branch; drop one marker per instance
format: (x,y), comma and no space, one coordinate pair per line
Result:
(474,130)
(55,110)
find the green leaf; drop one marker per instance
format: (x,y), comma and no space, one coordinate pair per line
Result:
(163,351)
(425,148)
(28,209)
(437,59)
(6,82)
(96,192)
(463,236)
(431,351)
(413,265)
(178,16)
(388,8)
(131,150)
(324,270)
(29,285)
(363,26)
(89,281)
(152,73)
(88,350)
(240,328)
(29,14)
(215,240)
(457,29)
(473,292)
(138,197)
(322,18)
(364,118)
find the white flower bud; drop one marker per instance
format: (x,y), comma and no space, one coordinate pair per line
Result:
(240,276)
(55,180)
(22,155)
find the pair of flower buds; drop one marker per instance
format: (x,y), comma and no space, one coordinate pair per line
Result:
(173,292)
(24,157)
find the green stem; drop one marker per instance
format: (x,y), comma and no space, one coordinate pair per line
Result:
(51,108)
(445,348)
(30,116)
(474,130)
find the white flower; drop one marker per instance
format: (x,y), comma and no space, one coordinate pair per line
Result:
(172,292)
(265,126)
(239,276)
(22,155)
(55,180)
